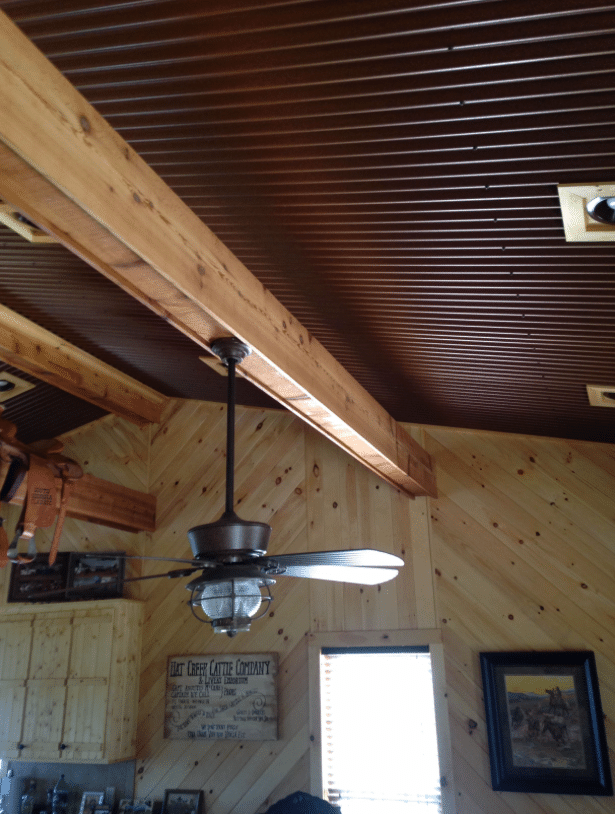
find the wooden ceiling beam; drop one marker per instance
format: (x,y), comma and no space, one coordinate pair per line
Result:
(44,355)
(105,503)
(65,168)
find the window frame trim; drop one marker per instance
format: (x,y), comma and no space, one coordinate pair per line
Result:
(431,638)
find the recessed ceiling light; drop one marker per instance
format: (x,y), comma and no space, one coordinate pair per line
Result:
(602,209)
(601,395)
(11,386)
(587,211)
(22,226)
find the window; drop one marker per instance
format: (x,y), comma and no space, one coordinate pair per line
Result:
(378,727)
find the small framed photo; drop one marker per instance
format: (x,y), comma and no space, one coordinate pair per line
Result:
(95,576)
(181,801)
(90,801)
(38,581)
(138,806)
(545,724)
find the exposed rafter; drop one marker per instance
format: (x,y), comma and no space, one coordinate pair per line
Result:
(41,353)
(68,171)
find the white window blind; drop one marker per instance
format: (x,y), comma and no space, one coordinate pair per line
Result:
(379,742)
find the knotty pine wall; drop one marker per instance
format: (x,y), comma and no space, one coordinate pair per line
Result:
(112,449)
(518,552)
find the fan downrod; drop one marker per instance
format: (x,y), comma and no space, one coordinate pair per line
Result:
(230,538)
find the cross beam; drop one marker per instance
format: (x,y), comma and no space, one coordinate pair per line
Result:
(69,172)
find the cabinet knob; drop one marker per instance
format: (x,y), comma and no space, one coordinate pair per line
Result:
(21,746)
(63,746)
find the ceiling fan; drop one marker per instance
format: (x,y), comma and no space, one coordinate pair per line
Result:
(230,553)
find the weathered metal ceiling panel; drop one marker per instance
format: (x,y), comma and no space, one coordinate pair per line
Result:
(54,288)
(388,168)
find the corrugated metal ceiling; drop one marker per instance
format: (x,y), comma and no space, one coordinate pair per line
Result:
(388,168)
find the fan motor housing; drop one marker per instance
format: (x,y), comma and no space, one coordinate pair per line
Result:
(229,537)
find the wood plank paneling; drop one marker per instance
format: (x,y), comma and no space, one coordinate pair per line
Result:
(112,449)
(350,508)
(523,550)
(188,469)
(517,553)
(466,572)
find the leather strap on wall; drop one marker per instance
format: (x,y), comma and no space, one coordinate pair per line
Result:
(42,463)
(39,508)
(66,487)
(40,504)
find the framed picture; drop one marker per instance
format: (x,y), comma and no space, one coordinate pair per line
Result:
(38,581)
(74,575)
(138,806)
(180,801)
(90,801)
(94,577)
(545,723)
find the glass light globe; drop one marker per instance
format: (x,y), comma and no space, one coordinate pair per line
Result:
(231,598)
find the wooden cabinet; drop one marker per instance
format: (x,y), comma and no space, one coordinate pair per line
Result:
(69,681)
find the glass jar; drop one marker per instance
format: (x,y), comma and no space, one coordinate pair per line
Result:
(28,797)
(59,798)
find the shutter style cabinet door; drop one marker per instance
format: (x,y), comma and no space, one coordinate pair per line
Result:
(15,645)
(87,689)
(46,687)
(69,681)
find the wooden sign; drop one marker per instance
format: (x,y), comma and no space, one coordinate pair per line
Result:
(220,697)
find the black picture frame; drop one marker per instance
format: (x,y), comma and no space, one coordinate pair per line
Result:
(139,805)
(94,577)
(74,576)
(38,581)
(545,723)
(182,801)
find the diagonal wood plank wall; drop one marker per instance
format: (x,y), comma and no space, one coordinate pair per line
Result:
(523,545)
(112,449)
(187,476)
(518,552)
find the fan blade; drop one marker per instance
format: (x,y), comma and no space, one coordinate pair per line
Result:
(359,557)
(363,575)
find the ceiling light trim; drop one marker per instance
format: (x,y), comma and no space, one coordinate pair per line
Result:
(46,356)
(21,386)
(11,218)
(596,394)
(578,224)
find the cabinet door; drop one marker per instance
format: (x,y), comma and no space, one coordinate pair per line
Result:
(87,695)
(12,700)
(69,682)
(43,719)
(46,688)
(15,643)
(85,720)
(51,637)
